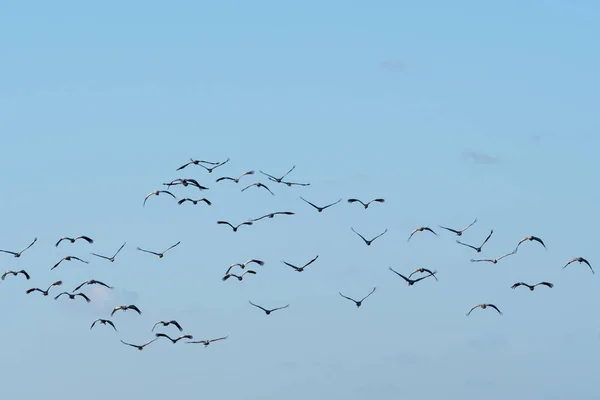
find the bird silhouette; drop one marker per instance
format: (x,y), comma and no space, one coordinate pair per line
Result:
(358,302)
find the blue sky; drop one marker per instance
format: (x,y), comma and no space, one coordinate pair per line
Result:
(449,110)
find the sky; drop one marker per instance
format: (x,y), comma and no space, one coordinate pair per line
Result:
(450,111)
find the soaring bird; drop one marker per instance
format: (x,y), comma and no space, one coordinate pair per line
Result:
(273,214)
(141,346)
(69,258)
(268,312)
(320,209)
(72,296)
(412,281)
(194,202)
(531,287)
(185,182)
(368,242)
(530,238)
(207,342)
(236,180)
(239,277)
(92,282)
(278,180)
(72,240)
(580,260)
(421,271)
(158,335)
(157,193)
(44,292)
(243,265)
(495,260)
(15,273)
(359,302)
(300,269)
(167,323)
(17,255)
(103,322)
(459,232)
(290,184)
(215,166)
(477,249)
(421,229)
(258,185)
(111,259)
(196,162)
(483,307)
(125,308)
(365,205)
(235,228)
(160,255)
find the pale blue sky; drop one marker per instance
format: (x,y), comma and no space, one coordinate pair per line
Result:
(448,110)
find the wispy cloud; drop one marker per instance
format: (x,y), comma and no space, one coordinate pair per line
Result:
(393,65)
(479,157)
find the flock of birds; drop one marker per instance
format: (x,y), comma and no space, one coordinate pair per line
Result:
(233,269)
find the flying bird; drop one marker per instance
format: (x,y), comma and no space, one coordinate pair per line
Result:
(273,214)
(15,273)
(111,259)
(207,342)
(268,312)
(236,180)
(531,287)
(69,258)
(158,335)
(278,180)
(125,308)
(460,232)
(239,277)
(196,162)
(412,281)
(300,269)
(477,249)
(194,202)
(483,307)
(580,260)
(421,229)
(92,282)
(320,209)
(141,346)
(44,292)
(235,228)
(359,302)
(157,193)
(72,296)
(185,182)
(530,238)
(495,260)
(368,242)
(365,205)
(421,271)
(17,255)
(290,184)
(160,255)
(213,167)
(167,323)
(243,265)
(103,322)
(72,240)
(259,185)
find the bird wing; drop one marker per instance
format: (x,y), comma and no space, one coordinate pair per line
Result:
(487,238)
(550,285)
(354,201)
(399,274)
(94,323)
(133,307)
(506,255)
(60,240)
(129,344)
(346,297)
(265,186)
(225,223)
(79,259)
(9,252)
(280,308)
(176,324)
(225,178)
(379,200)
(60,294)
(86,238)
(57,264)
(449,229)
(180,202)
(372,291)
(473,309)
(468,226)
(159,322)
(468,245)
(120,248)
(184,165)
(270,176)
(169,193)
(309,202)
(117,308)
(290,265)
(148,251)
(361,236)
(540,241)
(425,277)
(111,324)
(102,284)
(495,308)
(257,306)
(516,285)
(101,256)
(227,276)
(249,186)
(84,296)
(381,234)
(4,275)
(163,335)
(332,204)
(311,261)
(80,286)
(32,243)
(175,245)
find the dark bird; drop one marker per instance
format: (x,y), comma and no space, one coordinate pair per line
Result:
(304,266)
(278,180)
(69,258)
(530,238)
(125,308)
(196,162)
(235,228)
(17,255)
(359,302)
(157,193)
(494,260)
(580,260)
(44,292)
(460,232)
(185,183)
(268,312)
(158,335)
(290,184)
(421,229)
(141,346)
(273,214)
(365,205)
(215,166)
(72,296)
(477,249)
(15,273)
(160,255)
(194,202)
(167,323)
(243,265)
(411,281)
(239,277)
(92,282)
(72,240)
(207,342)
(103,322)
(483,307)
(111,259)
(421,271)
(258,185)
(531,287)
(320,209)
(368,242)
(236,180)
